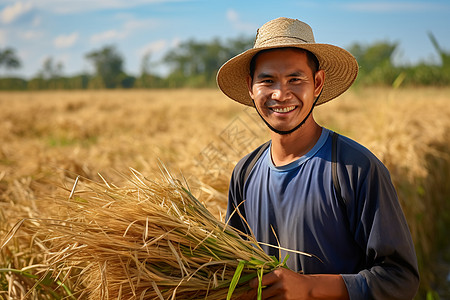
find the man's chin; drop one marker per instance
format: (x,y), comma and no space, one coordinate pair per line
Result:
(280,127)
(283,130)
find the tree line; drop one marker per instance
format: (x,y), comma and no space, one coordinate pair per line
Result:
(194,64)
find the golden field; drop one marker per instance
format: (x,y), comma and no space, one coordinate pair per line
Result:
(49,138)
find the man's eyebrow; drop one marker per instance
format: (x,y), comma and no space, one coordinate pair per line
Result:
(293,74)
(264,75)
(297,74)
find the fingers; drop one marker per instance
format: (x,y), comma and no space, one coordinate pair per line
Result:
(279,284)
(270,284)
(271,278)
(267,279)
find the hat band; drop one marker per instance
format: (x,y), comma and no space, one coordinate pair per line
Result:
(270,41)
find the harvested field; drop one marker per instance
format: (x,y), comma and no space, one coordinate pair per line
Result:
(49,138)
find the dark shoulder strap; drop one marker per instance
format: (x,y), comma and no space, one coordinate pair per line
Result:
(337,187)
(335,177)
(274,228)
(258,152)
(240,175)
(247,168)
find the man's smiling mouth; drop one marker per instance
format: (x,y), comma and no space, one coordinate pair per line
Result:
(283,109)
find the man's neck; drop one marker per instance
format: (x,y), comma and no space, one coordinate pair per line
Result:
(290,147)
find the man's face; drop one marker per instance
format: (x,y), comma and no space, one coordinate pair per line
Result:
(283,87)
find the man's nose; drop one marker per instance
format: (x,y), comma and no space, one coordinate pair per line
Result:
(281,92)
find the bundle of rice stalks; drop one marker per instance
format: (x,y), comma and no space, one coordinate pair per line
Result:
(149,240)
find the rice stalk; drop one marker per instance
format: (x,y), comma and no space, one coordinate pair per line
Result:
(148,240)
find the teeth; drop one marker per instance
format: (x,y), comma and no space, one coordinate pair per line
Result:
(284,109)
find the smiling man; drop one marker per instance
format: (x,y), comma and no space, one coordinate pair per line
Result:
(309,189)
(284,86)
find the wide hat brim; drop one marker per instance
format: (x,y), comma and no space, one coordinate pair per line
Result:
(340,67)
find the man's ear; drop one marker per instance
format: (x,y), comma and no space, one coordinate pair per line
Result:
(249,86)
(318,82)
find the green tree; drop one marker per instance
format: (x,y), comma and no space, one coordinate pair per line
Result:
(108,64)
(147,78)
(375,63)
(196,63)
(374,56)
(50,69)
(9,59)
(80,81)
(444,69)
(445,56)
(13,83)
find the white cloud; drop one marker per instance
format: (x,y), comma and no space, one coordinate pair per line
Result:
(153,47)
(12,12)
(133,24)
(36,21)
(127,29)
(65,41)
(233,18)
(31,35)
(156,51)
(106,36)
(232,15)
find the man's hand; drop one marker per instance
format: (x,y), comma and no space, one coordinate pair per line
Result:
(288,285)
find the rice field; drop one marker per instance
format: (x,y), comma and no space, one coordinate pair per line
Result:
(48,139)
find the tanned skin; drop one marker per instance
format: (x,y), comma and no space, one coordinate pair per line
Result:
(283,88)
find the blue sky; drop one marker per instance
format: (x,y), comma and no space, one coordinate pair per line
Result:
(68,29)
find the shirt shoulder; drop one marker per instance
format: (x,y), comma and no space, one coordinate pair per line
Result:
(353,154)
(246,163)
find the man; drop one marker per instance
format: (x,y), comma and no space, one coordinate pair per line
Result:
(312,190)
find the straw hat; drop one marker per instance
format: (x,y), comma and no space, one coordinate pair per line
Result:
(339,65)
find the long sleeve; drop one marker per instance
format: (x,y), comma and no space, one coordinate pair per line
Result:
(380,229)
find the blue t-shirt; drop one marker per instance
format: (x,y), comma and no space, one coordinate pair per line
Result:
(366,239)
